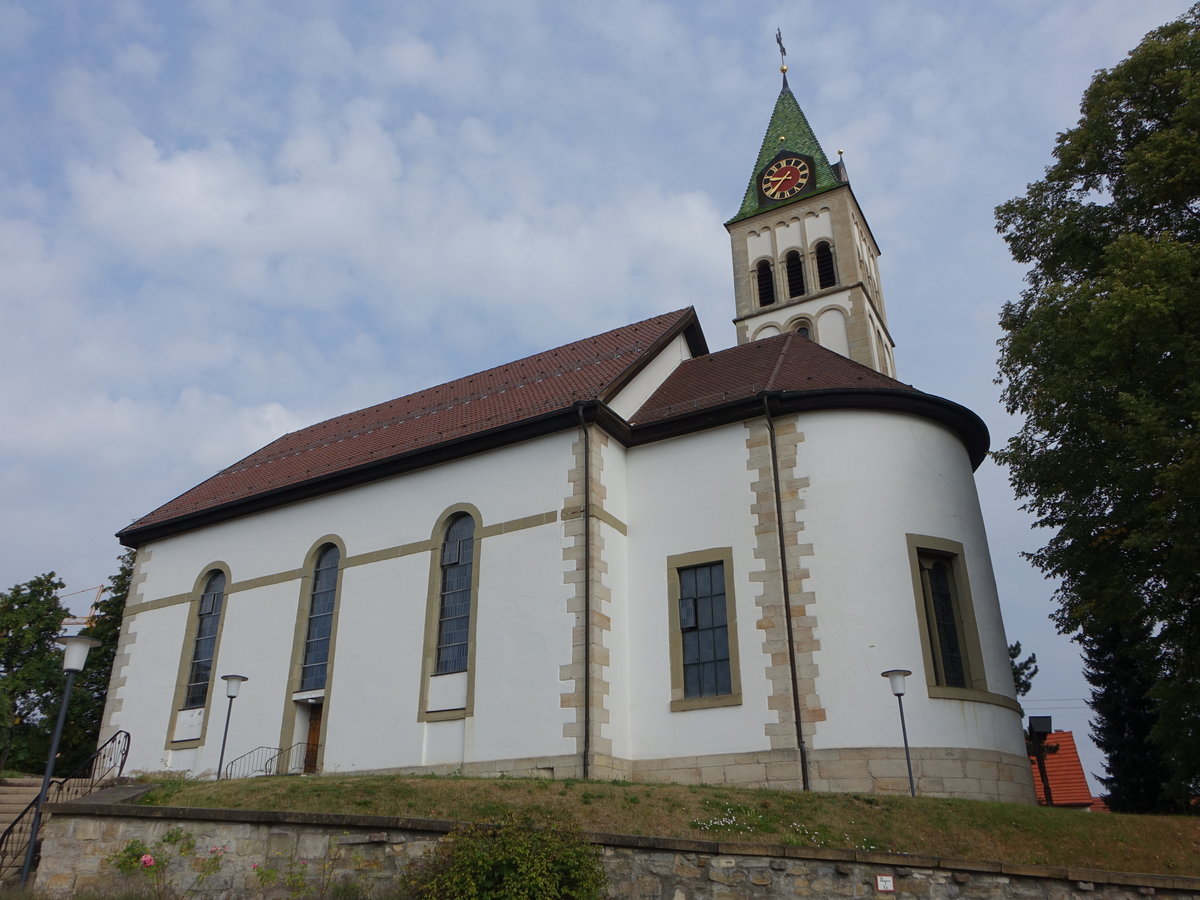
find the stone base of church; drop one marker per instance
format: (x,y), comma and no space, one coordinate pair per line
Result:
(937,771)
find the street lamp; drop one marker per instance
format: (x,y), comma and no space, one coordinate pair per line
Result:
(233,684)
(1039,729)
(896,678)
(75,652)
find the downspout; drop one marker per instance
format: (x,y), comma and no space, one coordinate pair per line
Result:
(787,596)
(587,589)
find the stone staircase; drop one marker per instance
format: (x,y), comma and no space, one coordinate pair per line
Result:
(15,795)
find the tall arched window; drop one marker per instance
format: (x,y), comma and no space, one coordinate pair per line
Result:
(200,673)
(320,619)
(795,274)
(943,619)
(826,273)
(766,283)
(454,612)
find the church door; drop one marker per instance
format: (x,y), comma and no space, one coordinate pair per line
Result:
(314,738)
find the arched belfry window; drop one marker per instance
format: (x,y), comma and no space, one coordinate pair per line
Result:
(200,673)
(454,611)
(766,283)
(803,328)
(320,619)
(826,272)
(795,274)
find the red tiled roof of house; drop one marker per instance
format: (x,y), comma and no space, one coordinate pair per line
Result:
(543,383)
(1068,783)
(787,362)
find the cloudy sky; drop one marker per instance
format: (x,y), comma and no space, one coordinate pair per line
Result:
(221,221)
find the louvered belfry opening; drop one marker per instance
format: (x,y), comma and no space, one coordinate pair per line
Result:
(826,273)
(766,283)
(795,274)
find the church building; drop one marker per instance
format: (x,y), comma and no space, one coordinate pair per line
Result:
(627,557)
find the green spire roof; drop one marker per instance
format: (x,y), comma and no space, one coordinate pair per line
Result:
(788,130)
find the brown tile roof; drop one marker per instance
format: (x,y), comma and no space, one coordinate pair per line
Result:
(786,362)
(1068,783)
(552,381)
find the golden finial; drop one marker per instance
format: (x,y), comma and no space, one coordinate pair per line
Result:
(782,51)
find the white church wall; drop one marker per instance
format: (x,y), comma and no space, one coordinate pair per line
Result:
(520,581)
(690,494)
(818,225)
(256,641)
(373,694)
(875,477)
(759,245)
(145,714)
(616,559)
(523,636)
(831,330)
(647,381)
(790,236)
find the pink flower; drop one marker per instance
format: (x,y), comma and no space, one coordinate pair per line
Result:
(147,860)
(254,865)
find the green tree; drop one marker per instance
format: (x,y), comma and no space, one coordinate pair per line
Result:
(1101,356)
(82,728)
(518,859)
(1023,670)
(31,665)
(1121,664)
(91,687)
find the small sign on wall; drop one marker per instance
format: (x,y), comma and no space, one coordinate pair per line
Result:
(885,883)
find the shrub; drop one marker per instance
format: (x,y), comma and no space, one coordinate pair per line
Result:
(516,860)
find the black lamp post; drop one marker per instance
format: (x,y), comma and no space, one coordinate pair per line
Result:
(896,678)
(233,684)
(1039,729)
(75,651)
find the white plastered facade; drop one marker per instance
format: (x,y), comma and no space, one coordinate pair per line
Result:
(871,478)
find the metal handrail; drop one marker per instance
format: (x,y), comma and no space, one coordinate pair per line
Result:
(112,754)
(268,761)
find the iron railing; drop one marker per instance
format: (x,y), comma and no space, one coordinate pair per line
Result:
(269,761)
(106,763)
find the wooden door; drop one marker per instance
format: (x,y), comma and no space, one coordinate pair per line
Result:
(314,737)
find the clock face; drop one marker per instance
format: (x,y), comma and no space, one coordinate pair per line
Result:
(785,178)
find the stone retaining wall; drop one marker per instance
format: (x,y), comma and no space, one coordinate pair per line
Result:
(371,849)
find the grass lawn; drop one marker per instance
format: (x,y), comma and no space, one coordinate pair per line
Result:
(958,829)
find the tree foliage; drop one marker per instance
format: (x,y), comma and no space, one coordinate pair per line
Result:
(1101,356)
(31,673)
(516,859)
(1023,670)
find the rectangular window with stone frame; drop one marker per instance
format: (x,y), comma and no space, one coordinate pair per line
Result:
(949,636)
(703,630)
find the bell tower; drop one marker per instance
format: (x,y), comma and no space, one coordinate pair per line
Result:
(804,258)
